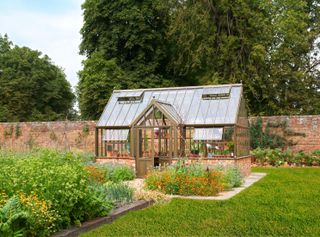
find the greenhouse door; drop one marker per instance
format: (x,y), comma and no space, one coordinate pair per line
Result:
(154,148)
(144,151)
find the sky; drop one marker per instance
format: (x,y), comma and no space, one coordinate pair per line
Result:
(50,26)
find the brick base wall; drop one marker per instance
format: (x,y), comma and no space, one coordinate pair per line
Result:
(244,163)
(123,161)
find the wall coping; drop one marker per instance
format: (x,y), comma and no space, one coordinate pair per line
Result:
(286,116)
(49,122)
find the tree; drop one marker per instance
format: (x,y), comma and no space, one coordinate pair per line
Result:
(269,46)
(266,45)
(97,81)
(132,35)
(32,88)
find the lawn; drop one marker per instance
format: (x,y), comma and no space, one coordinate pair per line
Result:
(284,203)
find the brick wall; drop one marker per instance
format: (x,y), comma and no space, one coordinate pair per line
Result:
(80,135)
(303,130)
(62,135)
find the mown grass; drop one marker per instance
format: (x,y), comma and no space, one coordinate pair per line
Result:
(284,203)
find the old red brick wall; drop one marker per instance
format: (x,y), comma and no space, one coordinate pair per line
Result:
(302,130)
(79,135)
(62,135)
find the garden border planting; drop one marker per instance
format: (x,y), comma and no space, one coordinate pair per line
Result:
(248,181)
(116,213)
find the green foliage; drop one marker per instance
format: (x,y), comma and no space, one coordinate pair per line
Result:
(269,46)
(58,180)
(118,193)
(316,152)
(32,87)
(116,173)
(264,138)
(195,169)
(12,218)
(284,203)
(232,177)
(276,157)
(97,81)
(171,181)
(194,179)
(125,44)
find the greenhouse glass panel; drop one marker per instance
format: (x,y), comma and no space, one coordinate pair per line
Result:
(192,115)
(108,110)
(208,134)
(116,134)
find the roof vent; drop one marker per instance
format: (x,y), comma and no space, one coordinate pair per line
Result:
(213,93)
(130,97)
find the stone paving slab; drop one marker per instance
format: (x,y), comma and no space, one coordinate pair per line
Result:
(248,181)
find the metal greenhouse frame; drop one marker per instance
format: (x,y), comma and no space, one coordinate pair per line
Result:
(155,127)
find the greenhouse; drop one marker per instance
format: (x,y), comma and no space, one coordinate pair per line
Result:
(155,127)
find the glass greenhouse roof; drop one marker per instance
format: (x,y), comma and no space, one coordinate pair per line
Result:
(184,103)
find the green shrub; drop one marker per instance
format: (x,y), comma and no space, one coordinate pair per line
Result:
(232,177)
(116,173)
(57,178)
(274,157)
(118,193)
(260,155)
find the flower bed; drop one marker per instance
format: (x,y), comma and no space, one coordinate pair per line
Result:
(45,191)
(277,157)
(194,179)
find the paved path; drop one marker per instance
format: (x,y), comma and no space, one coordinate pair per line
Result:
(248,181)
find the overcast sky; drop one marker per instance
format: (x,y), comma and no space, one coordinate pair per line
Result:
(50,26)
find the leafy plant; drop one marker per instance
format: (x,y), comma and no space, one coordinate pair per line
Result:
(184,182)
(232,177)
(12,218)
(60,183)
(116,173)
(260,155)
(118,193)
(276,157)
(96,175)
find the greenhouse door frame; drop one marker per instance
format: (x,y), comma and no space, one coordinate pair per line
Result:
(161,148)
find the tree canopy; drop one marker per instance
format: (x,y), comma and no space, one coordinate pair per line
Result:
(269,46)
(31,86)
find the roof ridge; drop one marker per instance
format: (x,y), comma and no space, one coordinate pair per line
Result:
(180,88)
